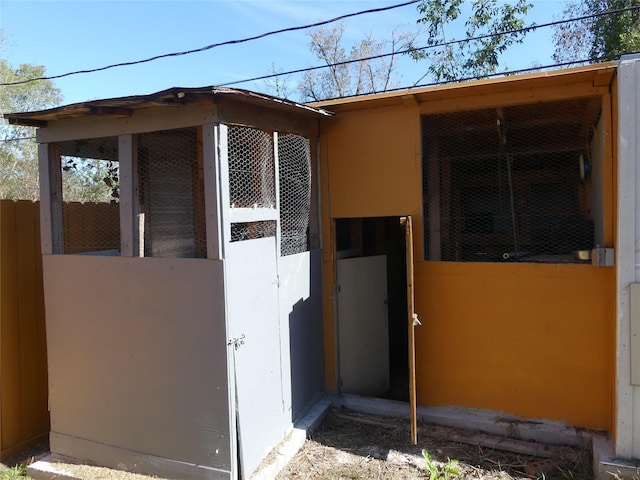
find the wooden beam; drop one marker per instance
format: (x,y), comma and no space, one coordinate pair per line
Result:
(412,323)
(508,98)
(607,174)
(27,122)
(128,199)
(144,120)
(410,101)
(111,111)
(51,226)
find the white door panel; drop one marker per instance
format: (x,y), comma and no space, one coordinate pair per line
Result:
(363,325)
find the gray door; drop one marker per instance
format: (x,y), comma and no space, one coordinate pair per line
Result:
(253,322)
(363,325)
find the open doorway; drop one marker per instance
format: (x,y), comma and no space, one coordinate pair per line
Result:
(373,342)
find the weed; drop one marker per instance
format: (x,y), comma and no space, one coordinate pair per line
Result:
(19,472)
(440,472)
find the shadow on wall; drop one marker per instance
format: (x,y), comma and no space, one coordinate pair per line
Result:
(306,343)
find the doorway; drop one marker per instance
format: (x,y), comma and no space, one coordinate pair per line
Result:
(373,346)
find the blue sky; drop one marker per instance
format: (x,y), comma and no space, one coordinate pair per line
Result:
(72,35)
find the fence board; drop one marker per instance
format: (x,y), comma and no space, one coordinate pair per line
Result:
(24,416)
(11,409)
(23,369)
(90,227)
(33,381)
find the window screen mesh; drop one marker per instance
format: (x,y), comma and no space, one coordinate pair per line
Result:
(252,230)
(90,191)
(294,164)
(171,194)
(251,168)
(510,184)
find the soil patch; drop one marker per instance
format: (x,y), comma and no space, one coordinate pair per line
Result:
(353,446)
(27,456)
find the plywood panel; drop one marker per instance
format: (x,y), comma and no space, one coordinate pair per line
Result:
(301,329)
(252,306)
(531,340)
(363,325)
(374,163)
(138,356)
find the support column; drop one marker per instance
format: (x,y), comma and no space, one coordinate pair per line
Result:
(627,427)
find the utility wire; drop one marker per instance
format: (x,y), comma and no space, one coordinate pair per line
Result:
(346,62)
(530,28)
(506,73)
(17,139)
(214,45)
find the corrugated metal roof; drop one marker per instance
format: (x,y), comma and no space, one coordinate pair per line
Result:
(125,106)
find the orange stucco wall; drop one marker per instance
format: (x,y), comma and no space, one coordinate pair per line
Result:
(534,340)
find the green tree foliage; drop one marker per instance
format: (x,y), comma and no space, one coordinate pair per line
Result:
(82,180)
(90,180)
(357,76)
(474,58)
(606,36)
(18,157)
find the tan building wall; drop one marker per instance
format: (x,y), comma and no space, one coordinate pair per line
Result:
(533,340)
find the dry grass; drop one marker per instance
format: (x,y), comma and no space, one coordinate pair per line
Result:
(352,446)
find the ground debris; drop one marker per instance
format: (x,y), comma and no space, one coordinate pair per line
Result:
(353,446)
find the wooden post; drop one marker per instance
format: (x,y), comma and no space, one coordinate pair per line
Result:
(433,182)
(199,202)
(412,319)
(128,198)
(276,180)
(51,226)
(211,168)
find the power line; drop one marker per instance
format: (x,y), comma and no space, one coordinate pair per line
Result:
(17,139)
(214,45)
(346,62)
(509,72)
(528,29)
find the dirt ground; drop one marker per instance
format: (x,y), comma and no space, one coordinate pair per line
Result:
(350,446)
(354,446)
(26,456)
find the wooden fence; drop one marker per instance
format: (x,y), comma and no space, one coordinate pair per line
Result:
(24,415)
(91,227)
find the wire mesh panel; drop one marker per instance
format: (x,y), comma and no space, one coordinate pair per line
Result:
(171,194)
(90,194)
(294,165)
(251,168)
(511,184)
(250,230)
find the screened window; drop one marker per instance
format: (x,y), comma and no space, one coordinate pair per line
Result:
(90,183)
(171,217)
(294,165)
(512,183)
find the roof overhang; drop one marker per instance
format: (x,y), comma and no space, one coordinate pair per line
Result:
(599,75)
(124,107)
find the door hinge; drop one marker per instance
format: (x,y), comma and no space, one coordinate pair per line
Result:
(237,342)
(416,321)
